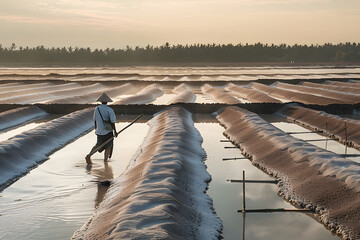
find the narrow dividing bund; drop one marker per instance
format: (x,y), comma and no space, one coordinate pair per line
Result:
(162,194)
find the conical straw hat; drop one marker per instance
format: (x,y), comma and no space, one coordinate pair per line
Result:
(104,98)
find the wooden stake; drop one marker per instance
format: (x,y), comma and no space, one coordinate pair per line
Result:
(346,139)
(326,143)
(244,206)
(244,217)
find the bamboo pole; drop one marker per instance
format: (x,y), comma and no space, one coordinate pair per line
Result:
(320,140)
(265,210)
(235,158)
(292,133)
(252,181)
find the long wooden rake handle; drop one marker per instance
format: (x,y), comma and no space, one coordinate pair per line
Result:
(106,142)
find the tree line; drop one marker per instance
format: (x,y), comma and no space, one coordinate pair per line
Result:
(195,53)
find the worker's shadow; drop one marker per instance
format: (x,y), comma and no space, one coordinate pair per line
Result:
(103,175)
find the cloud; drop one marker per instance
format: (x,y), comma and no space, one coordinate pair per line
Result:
(91,23)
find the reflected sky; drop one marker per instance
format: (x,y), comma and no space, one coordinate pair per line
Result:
(227,196)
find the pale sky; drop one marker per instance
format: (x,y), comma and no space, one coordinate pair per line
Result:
(117,23)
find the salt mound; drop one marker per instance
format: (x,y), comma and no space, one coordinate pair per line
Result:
(183,94)
(219,95)
(24,151)
(113,92)
(18,116)
(250,94)
(331,125)
(146,95)
(162,193)
(308,176)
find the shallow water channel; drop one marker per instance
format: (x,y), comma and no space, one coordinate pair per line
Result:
(56,198)
(227,197)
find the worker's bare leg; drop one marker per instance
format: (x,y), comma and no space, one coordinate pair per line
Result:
(107,153)
(88,159)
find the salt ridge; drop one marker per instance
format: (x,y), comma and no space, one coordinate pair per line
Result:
(24,151)
(309,176)
(18,116)
(162,193)
(219,95)
(183,94)
(331,125)
(146,95)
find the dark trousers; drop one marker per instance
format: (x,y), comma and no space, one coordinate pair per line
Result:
(101,139)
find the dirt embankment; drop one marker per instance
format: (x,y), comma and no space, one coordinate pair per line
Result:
(308,176)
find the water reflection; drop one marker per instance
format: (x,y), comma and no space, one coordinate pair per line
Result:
(101,174)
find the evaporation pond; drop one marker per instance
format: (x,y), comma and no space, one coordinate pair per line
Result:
(58,197)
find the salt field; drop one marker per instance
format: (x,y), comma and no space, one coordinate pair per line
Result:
(169,174)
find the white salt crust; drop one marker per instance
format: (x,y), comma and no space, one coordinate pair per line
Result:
(24,151)
(162,193)
(18,116)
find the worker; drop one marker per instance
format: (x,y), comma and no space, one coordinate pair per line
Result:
(104,120)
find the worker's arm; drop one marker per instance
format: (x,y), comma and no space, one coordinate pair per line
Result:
(114,128)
